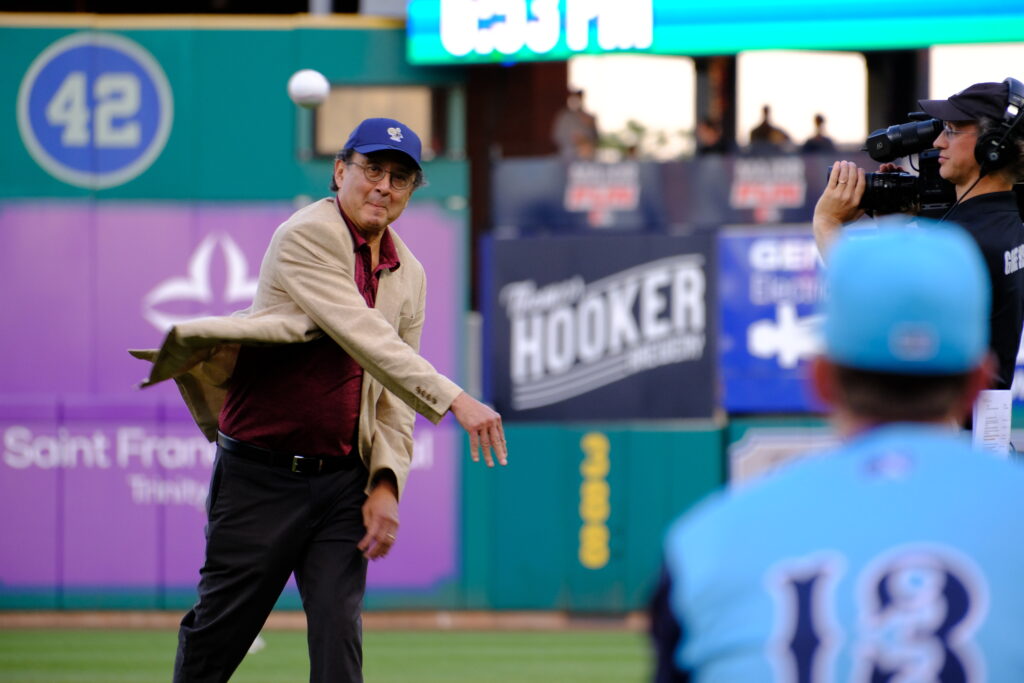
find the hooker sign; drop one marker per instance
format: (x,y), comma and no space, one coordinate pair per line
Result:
(602,328)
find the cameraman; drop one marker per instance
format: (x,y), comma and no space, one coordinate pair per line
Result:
(983,174)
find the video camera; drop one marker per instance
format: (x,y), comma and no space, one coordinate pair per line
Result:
(925,194)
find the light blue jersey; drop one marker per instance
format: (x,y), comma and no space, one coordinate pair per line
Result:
(897,558)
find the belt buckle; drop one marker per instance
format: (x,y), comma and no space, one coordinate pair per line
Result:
(299,467)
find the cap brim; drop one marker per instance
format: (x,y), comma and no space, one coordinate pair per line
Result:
(369,149)
(942,109)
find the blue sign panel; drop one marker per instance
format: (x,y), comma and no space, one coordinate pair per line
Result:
(95,110)
(600,327)
(769,283)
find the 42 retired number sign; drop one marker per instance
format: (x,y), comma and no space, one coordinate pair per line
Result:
(95,109)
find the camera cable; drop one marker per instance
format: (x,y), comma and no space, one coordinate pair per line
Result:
(962,197)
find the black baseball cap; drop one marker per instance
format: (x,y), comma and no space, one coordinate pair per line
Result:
(970,104)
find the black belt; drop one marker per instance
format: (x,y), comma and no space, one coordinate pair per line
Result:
(301,464)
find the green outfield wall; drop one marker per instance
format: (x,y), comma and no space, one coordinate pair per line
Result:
(87,257)
(234,131)
(576,520)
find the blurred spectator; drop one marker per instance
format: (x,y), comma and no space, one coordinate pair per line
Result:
(710,139)
(890,558)
(574,131)
(768,138)
(819,142)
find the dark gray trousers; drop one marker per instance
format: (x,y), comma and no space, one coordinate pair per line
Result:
(266,522)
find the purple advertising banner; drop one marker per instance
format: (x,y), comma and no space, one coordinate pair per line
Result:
(103,486)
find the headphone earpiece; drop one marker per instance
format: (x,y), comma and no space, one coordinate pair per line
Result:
(995,149)
(992,151)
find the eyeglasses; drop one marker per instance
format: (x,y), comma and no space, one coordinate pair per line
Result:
(953,132)
(375,173)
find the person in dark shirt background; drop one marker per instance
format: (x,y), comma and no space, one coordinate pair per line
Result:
(819,142)
(981,152)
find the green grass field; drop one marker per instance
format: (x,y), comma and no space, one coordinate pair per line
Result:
(119,656)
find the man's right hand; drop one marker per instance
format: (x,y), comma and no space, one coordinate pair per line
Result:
(839,203)
(484,427)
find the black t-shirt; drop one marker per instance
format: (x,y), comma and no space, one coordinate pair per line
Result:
(994,222)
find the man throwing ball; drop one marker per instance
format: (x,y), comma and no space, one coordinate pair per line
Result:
(310,395)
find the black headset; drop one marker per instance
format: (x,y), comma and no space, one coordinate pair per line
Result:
(995,149)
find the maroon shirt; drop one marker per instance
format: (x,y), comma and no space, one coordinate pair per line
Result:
(304,398)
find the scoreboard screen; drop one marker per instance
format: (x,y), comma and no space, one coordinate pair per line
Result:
(509,31)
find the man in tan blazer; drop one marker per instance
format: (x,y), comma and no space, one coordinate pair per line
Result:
(310,394)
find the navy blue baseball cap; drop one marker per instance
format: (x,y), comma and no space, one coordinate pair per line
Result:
(375,135)
(907,300)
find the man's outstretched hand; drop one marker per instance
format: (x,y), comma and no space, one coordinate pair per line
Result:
(484,427)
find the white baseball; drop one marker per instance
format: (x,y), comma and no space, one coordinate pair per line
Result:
(308,88)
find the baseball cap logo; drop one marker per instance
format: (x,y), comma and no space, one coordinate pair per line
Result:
(375,135)
(914,342)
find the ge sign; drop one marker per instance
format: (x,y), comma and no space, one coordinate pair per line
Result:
(94,110)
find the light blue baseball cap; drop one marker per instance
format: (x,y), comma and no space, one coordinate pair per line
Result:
(907,300)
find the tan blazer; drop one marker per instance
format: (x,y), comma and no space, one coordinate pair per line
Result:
(306,289)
